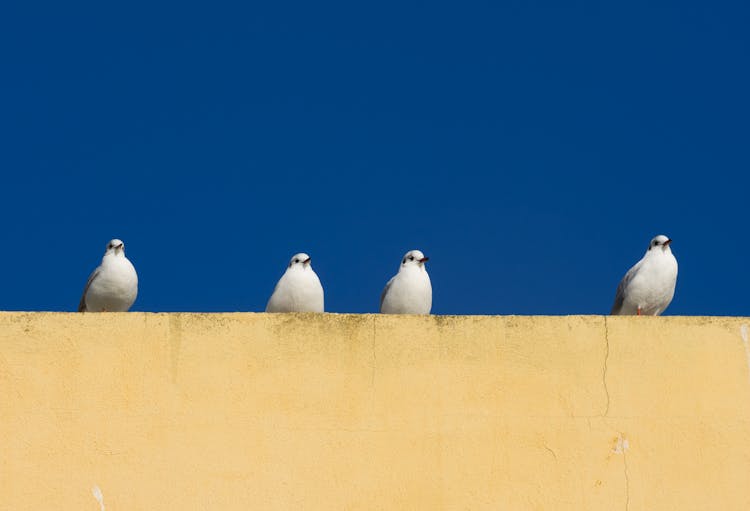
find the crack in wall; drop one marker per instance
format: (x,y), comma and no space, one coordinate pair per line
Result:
(627,480)
(550,451)
(621,447)
(604,370)
(97,492)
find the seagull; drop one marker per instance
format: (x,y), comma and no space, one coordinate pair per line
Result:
(648,287)
(113,286)
(298,290)
(410,291)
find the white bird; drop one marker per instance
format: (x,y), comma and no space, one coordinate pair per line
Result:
(648,287)
(298,290)
(410,290)
(113,286)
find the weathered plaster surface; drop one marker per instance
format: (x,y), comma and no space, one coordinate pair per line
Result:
(280,412)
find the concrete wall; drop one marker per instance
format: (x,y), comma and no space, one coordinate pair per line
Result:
(286,412)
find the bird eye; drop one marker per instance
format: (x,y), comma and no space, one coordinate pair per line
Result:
(411,258)
(296,260)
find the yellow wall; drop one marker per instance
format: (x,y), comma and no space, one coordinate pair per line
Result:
(333,412)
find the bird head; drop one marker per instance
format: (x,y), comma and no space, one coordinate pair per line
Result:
(659,242)
(414,258)
(300,261)
(115,246)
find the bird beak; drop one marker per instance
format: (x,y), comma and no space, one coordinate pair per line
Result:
(666,243)
(307,261)
(424,260)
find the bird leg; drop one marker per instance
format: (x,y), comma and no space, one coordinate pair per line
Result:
(639,311)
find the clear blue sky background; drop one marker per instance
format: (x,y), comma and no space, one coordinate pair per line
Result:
(531,151)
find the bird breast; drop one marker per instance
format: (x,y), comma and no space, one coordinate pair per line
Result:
(118,276)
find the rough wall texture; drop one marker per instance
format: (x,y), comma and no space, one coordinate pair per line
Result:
(283,412)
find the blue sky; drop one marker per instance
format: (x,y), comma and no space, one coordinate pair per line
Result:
(531,151)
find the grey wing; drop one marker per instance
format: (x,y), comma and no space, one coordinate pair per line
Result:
(385,292)
(620,293)
(92,277)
